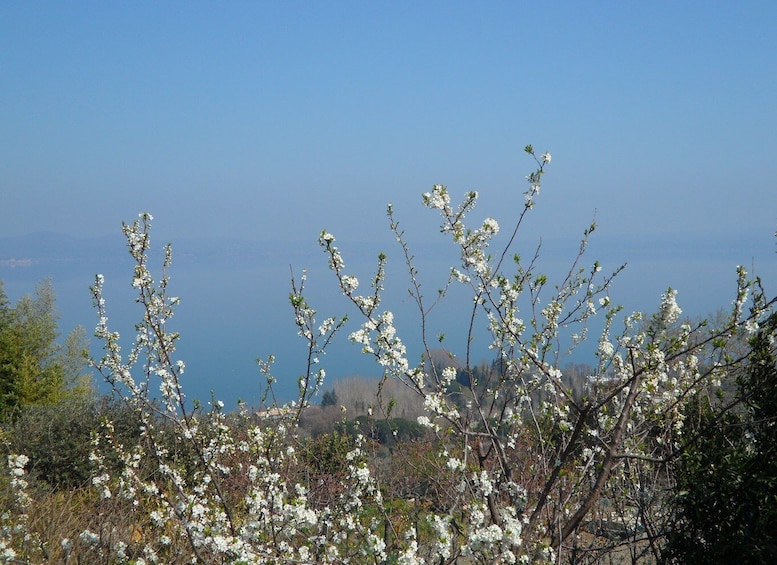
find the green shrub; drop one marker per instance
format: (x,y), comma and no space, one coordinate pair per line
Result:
(726,503)
(57,438)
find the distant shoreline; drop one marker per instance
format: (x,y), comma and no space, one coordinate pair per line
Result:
(13,263)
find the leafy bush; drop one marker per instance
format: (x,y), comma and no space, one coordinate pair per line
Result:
(34,368)
(727,478)
(386,431)
(58,438)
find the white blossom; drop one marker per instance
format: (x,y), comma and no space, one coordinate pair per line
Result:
(669,311)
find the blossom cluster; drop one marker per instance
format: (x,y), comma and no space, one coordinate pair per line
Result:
(519,461)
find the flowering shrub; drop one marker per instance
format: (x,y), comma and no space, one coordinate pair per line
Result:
(514,468)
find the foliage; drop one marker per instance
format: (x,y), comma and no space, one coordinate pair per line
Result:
(727,479)
(34,368)
(386,431)
(329,398)
(57,438)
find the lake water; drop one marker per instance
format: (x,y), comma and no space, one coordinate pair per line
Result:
(234,306)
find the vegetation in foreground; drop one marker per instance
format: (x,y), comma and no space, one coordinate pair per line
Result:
(663,452)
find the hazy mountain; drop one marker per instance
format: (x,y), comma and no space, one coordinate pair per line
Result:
(49,247)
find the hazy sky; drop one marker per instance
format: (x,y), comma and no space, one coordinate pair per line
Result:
(273,120)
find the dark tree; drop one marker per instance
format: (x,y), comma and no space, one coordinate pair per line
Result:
(329,398)
(726,503)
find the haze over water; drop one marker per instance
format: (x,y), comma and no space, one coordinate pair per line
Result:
(234,297)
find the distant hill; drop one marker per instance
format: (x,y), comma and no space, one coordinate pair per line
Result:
(51,246)
(47,247)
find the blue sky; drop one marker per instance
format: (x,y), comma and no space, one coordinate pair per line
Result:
(270,121)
